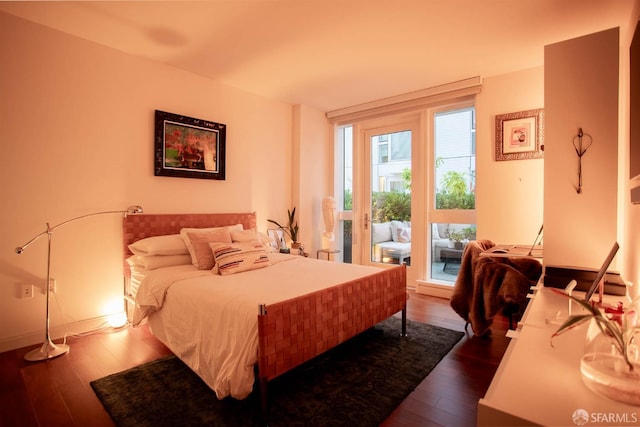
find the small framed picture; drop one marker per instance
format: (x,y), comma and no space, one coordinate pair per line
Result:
(188,147)
(520,135)
(276,236)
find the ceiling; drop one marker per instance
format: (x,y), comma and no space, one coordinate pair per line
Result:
(331,54)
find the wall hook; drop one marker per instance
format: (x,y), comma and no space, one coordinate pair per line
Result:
(581,142)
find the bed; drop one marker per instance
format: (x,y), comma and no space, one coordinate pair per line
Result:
(264,320)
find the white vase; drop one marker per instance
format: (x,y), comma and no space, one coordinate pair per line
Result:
(605,371)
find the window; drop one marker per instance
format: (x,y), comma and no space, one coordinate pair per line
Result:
(395,147)
(399,164)
(344,168)
(453,216)
(383,148)
(455,159)
(401,146)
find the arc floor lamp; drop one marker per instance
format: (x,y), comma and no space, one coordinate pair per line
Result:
(49,350)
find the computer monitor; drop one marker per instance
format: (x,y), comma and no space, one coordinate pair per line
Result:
(602,271)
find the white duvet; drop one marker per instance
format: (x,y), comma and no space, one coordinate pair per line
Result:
(210,321)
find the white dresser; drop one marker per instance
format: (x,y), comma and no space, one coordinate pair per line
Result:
(537,384)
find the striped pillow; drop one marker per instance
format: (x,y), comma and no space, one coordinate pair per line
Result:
(233,258)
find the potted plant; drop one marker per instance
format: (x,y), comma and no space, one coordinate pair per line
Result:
(456,237)
(610,364)
(469,233)
(291,229)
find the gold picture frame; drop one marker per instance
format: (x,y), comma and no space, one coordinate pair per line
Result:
(520,135)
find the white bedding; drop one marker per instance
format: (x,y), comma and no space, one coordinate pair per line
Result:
(210,321)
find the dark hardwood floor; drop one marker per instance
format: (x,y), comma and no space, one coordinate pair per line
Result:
(57,392)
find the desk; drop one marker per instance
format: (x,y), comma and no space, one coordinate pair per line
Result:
(513,251)
(537,384)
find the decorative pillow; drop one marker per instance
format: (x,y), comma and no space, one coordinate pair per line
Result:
(434,232)
(201,255)
(237,257)
(185,237)
(380,232)
(394,229)
(266,242)
(264,239)
(243,236)
(171,244)
(443,230)
(404,234)
(246,236)
(152,262)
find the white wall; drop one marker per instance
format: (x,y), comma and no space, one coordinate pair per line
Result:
(77,137)
(631,217)
(509,194)
(312,170)
(581,228)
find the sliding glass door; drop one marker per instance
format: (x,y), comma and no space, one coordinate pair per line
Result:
(387,211)
(407,190)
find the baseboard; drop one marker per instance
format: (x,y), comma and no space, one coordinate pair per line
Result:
(57,333)
(434,289)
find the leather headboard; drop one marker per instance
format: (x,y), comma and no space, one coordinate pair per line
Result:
(136,227)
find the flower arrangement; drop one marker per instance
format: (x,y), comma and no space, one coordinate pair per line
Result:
(622,328)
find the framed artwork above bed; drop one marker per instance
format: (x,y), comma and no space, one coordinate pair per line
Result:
(188,147)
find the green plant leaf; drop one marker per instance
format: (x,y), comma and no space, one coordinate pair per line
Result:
(292,229)
(274,222)
(572,322)
(589,307)
(620,337)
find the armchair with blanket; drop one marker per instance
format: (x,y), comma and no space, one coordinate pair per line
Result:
(486,285)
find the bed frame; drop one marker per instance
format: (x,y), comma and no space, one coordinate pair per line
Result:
(294,331)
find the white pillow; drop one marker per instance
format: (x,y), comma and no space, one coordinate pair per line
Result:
(237,257)
(171,244)
(380,232)
(434,232)
(243,236)
(404,234)
(152,262)
(246,236)
(394,229)
(264,239)
(443,230)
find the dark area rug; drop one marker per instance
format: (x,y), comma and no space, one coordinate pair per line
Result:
(359,383)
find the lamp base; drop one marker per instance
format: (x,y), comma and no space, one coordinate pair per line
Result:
(47,351)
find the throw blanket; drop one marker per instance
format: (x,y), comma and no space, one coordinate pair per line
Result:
(486,284)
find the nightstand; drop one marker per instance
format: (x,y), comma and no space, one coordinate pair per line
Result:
(328,252)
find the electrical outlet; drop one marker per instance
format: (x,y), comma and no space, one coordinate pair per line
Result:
(52,285)
(26,291)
